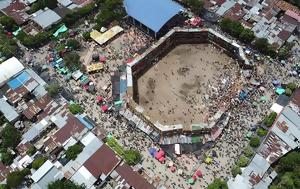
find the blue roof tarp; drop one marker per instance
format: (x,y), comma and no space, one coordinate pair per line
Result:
(62,29)
(19,80)
(152,13)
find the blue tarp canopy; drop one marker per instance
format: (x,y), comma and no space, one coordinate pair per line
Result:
(19,80)
(152,13)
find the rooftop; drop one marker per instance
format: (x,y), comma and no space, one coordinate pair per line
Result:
(16,10)
(9,68)
(127,176)
(46,18)
(102,162)
(152,13)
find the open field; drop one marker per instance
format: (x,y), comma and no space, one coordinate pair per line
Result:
(174,90)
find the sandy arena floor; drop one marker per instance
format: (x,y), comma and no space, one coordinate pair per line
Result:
(173,91)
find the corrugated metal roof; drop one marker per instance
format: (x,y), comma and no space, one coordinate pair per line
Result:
(46,18)
(8,111)
(42,171)
(152,13)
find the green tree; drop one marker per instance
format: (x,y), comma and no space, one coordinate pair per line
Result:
(111,10)
(236,28)
(5,156)
(64,184)
(242,162)
(262,132)
(287,163)
(132,157)
(15,178)
(86,36)
(235,171)
(74,44)
(31,151)
(2,119)
(72,61)
(218,184)
(10,137)
(73,151)
(38,162)
(8,23)
(248,152)
(247,36)
(261,44)
(195,5)
(53,89)
(225,24)
(4,186)
(254,142)
(76,109)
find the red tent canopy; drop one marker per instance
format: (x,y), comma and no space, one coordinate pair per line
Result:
(160,154)
(162,160)
(102,59)
(129,60)
(173,169)
(194,177)
(99,99)
(104,108)
(198,173)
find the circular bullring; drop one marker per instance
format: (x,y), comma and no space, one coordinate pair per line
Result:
(183,83)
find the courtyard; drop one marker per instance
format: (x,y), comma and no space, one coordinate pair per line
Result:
(177,89)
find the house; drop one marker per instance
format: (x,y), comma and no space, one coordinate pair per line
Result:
(127,178)
(46,18)
(98,166)
(46,174)
(17,11)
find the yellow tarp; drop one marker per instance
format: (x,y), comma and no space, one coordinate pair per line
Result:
(208,160)
(94,68)
(106,36)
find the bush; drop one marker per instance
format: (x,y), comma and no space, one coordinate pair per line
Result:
(288,92)
(34,41)
(235,171)
(254,142)
(291,86)
(242,162)
(269,120)
(73,151)
(262,132)
(75,109)
(38,162)
(132,157)
(248,152)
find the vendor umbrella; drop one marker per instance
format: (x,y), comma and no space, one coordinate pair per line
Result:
(102,59)
(280,91)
